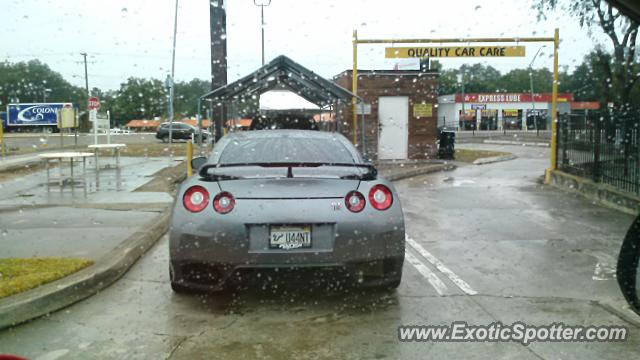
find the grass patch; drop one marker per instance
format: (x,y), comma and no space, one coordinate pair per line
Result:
(468,155)
(18,275)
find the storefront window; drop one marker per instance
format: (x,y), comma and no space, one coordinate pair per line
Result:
(489,119)
(469,121)
(512,119)
(536,119)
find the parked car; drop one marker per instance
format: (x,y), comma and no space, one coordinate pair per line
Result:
(288,200)
(180,131)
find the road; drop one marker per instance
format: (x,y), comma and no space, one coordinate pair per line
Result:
(486,243)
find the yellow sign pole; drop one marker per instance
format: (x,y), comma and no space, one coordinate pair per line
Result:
(354,86)
(554,108)
(189,157)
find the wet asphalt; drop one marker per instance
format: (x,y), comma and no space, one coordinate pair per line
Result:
(488,243)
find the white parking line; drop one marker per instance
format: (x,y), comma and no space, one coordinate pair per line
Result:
(424,270)
(440,266)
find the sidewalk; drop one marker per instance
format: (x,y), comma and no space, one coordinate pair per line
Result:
(111,224)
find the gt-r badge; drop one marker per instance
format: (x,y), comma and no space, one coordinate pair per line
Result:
(336,206)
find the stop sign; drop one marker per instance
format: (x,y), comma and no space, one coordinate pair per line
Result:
(94,103)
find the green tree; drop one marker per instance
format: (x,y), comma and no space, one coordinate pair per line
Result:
(185,103)
(29,81)
(518,80)
(621,68)
(477,78)
(589,82)
(480,78)
(138,99)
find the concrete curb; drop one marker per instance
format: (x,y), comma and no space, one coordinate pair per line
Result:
(519,143)
(599,193)
(494,159)
(19,165)
(419,171)
(71,289)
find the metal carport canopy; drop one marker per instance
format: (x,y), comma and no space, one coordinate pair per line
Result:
(283,72)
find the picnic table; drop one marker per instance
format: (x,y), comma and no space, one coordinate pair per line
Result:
(115,147)
(61,156)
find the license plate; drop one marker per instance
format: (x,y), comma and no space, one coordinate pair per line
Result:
(289,237)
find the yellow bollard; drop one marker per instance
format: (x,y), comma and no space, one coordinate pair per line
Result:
(189,157)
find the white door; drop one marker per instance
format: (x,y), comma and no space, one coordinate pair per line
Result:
(393,138)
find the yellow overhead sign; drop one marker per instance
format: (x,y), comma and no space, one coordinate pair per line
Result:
(454,51)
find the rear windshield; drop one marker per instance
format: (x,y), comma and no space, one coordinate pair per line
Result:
(285,149)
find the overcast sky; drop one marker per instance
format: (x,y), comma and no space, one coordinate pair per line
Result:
(133,38)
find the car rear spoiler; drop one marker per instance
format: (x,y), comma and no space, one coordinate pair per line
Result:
(370,174)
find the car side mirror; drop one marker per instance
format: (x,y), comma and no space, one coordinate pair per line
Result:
(198,162)
(628,269)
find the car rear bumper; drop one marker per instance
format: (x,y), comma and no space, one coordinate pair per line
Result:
(213,277)
(239,248)
(207,259)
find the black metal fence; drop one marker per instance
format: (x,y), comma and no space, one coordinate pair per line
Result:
(601,146)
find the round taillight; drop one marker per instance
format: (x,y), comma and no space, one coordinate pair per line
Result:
(354,201)
(380,197)
(224,202)
(196,198)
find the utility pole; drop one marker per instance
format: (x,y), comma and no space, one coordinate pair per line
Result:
(533,103)
(218,25)
(262,5)
(86,88)
(464,119)
(171,79)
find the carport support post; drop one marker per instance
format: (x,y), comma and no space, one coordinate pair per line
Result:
(199,118)
(208,115)
(363,149)
(554,108)
(354,86)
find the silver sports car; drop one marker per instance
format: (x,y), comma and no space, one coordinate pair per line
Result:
(285,201)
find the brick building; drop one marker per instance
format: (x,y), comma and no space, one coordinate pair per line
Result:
(400,113)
